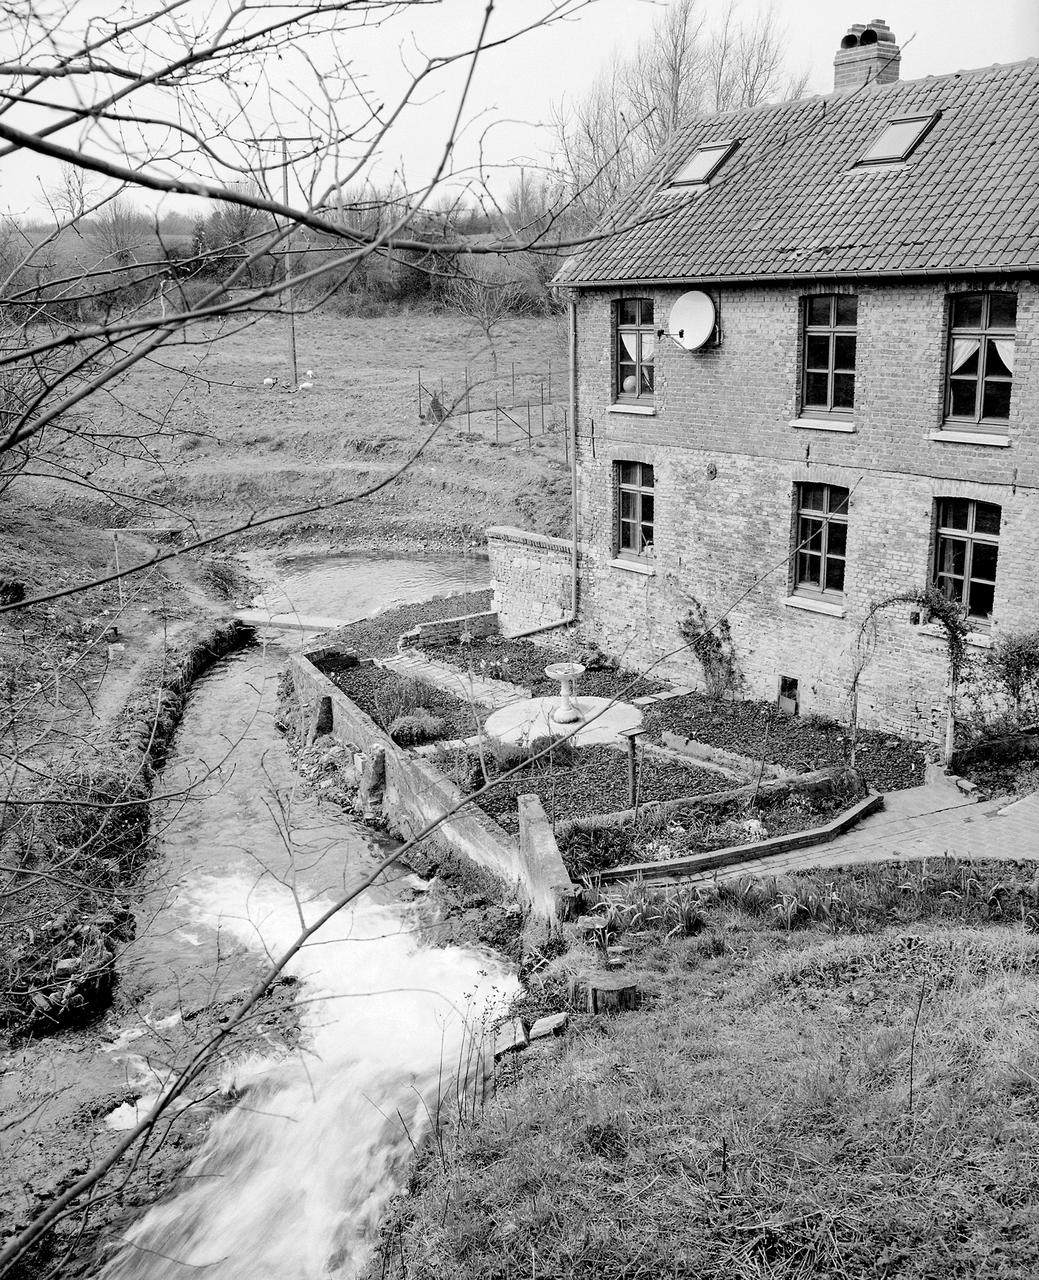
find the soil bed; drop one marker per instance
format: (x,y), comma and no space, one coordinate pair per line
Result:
(575,782)
(384,696)
(524,663)
(887,762)
(687,833)
(377,637)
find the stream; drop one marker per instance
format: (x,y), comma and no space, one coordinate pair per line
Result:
(291,1181)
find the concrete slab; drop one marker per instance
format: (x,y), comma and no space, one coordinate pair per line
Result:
(289,621)
(522,723)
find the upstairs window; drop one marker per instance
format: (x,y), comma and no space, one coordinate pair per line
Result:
(635,350)
(703,164)
(634,509)
(899,139)
(966,550)
(822,540)
(828,376)
(981,358)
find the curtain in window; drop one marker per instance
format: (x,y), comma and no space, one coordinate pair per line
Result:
(1005,347)
(964,348)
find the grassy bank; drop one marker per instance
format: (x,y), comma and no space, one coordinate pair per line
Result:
(852,1097)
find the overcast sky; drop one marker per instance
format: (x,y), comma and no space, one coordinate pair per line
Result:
(515,86)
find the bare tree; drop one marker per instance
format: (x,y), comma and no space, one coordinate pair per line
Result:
(74,194)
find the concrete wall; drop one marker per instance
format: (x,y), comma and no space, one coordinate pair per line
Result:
(445,629)
(417,793)
(530,575)
(728,449)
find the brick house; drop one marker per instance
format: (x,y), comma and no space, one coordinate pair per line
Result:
(843,404)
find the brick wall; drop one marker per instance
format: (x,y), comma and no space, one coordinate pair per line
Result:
(726,459)
(530,575)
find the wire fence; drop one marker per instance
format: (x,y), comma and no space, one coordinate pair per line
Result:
(513,406)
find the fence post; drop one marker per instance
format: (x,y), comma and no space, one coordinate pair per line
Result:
(420,392)
(514,382)
(495,415)
(468,413)
(550,380)
(542,408)
(566,441)
(528,422)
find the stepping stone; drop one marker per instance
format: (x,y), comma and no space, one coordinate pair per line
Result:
(553,1024)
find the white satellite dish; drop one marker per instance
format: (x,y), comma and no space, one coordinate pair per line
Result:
(691,321)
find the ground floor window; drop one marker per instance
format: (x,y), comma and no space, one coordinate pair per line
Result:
(822,539)
(634,508)
(966,550)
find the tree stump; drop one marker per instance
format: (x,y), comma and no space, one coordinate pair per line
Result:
(605,992)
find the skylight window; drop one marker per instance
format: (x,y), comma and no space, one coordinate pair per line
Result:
(899,139)
(703,164)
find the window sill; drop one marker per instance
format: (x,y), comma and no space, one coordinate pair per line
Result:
(807,423)
(992,439)
(811,605)
(647,410)
(935,631)
(645,567)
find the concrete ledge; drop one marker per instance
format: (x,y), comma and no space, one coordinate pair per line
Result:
(508,533)
(729,760)
(550,882)
(733,855)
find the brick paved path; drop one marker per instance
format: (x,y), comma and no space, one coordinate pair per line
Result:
(923,822)
(478,689)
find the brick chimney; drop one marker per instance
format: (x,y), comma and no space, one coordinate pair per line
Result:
(868,55)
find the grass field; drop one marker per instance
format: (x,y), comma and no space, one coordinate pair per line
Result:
(237,447)
(854,1098)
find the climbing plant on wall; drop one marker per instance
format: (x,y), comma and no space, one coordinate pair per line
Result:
(711,644)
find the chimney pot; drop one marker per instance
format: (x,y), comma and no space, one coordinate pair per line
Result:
(868,54)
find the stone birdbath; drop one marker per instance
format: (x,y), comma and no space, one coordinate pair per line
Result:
(566,673)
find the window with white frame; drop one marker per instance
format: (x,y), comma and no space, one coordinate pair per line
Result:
(636,341)
(981,359)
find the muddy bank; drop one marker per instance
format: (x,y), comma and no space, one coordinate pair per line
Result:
(80,840)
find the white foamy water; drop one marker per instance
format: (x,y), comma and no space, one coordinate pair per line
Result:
(291,1182)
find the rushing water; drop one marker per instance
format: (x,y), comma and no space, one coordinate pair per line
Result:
(291,1181)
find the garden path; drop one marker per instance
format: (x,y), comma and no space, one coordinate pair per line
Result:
(932,821)
(482,690)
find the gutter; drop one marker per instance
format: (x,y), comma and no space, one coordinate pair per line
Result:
(571,617)
(805,277)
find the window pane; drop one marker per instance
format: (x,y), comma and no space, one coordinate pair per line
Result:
(628,536)
(979,599)
(647,537)
(964,397)
(627,505)
(951,588)
(817,351)
(811,538)
(813,497)
(847,308)
(987,517)
(844,351)
(983,561)
(628,347)
(628,311)
(952,557)
(995,365)
(647,310)
(647,508)
(838,538)
(838,499)
(843,390)
(647,379)
(834,575)
(966,310)
(995,403)
(1002,310)
(817,389)
(954,513)
(809,570)
(647,476)
(629,472)
(819,309)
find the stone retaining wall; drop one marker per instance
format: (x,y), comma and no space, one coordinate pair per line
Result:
(530,575)
(418,793)
(447,629)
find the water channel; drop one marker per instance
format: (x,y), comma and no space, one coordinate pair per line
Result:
(290,1182)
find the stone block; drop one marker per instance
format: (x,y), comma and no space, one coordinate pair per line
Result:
(553,1024)
(511,1038)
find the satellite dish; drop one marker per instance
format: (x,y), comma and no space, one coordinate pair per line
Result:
(691,321)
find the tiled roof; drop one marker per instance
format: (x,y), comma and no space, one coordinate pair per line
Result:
(790,202)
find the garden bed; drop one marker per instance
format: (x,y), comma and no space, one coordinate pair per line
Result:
(523,663)
(385,696)
(574,782)
(756,729)
(377,637)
